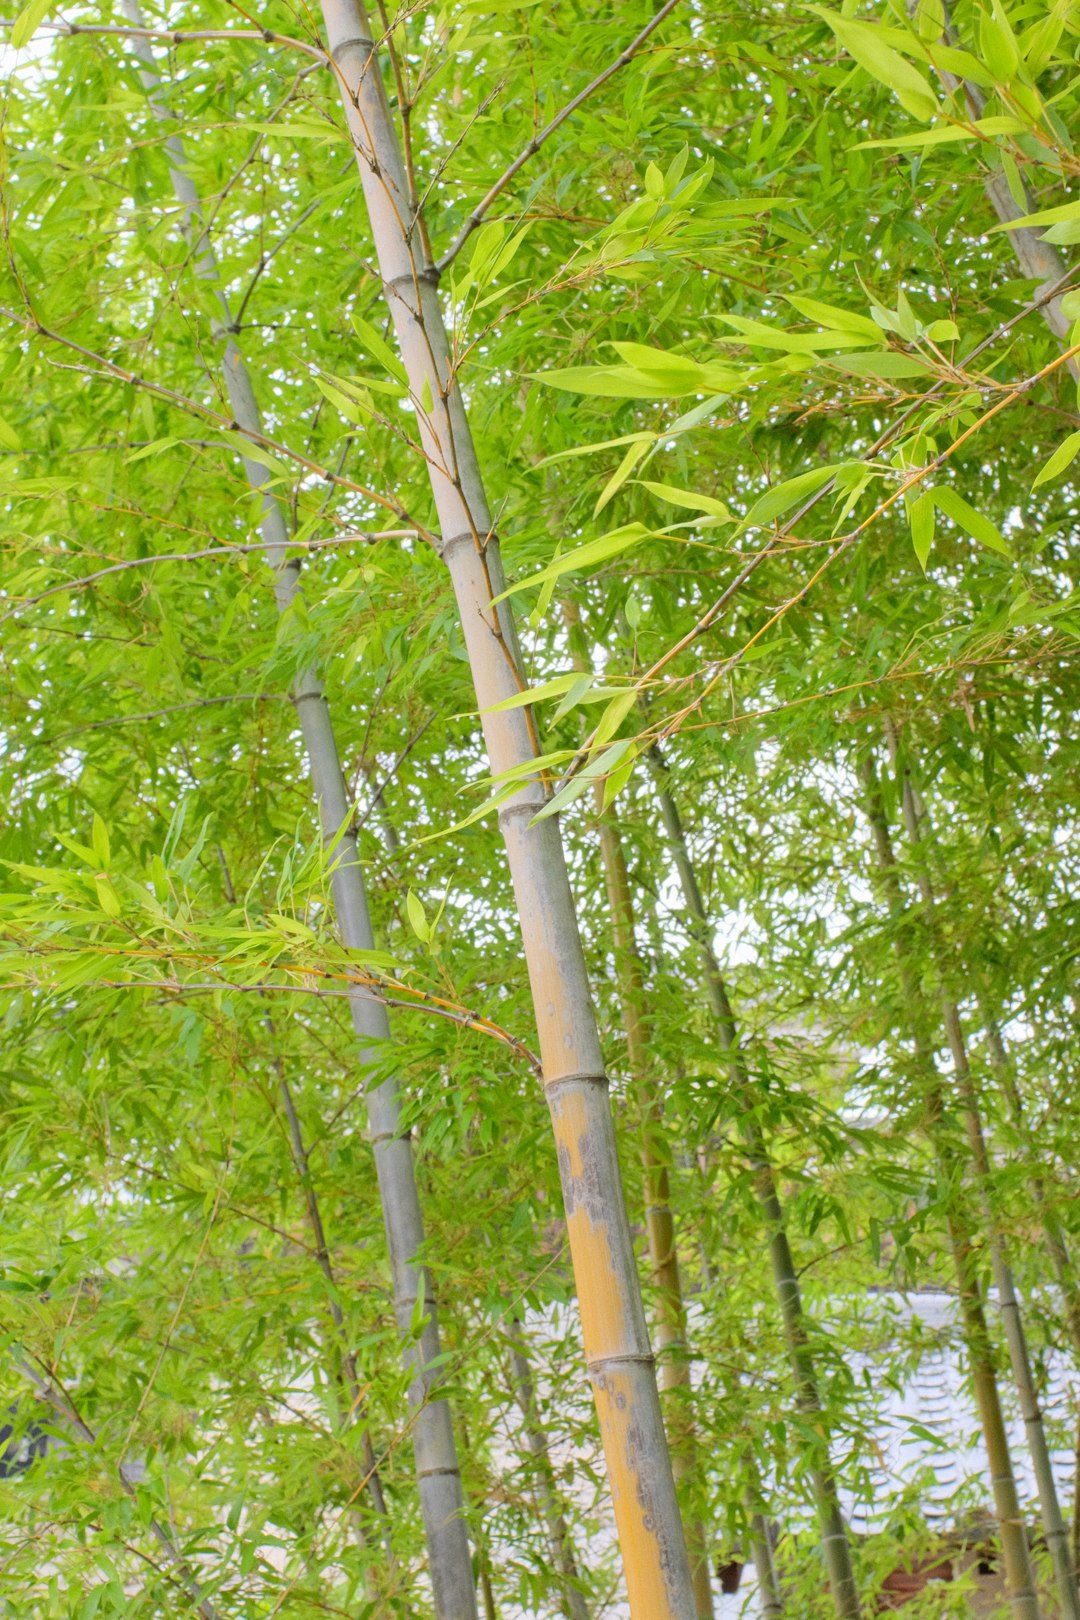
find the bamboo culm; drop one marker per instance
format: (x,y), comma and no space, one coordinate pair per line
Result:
(1054,1530)
(617,1349)
(1019,1578)
(1038,260)
(438,1475)
(835,1544)
(574,1605)
(1053,1233)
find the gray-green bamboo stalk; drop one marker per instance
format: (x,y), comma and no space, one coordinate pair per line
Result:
(437,1471)
(1038,260)
(770,1596)
(1019,1577)
(572,1598)
(835,1544)
(1053,1233)
(1054,1531)
(617,1349)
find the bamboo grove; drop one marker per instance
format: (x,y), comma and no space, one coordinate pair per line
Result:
(539,945)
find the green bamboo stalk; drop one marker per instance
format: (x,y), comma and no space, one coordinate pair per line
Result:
(1056,1536)
(1038,260)
(1053,1233)
(438,1475)
(616,1339)
(835,1545)
(1019,1578)
(572,1598)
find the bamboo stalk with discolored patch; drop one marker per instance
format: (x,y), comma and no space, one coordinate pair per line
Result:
(617,1349)
(655,1157)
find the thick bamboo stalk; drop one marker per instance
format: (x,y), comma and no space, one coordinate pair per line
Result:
(438,1475)
(617,1349)
(573,1602)
(835,1545)
(1054,1531)
(1019,1578)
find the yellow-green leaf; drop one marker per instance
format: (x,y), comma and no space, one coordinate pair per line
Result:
(964,515)
(865,43)
(1065,453)
(921,519)
(689,499)
(788,494)
(28,21)
(586,556)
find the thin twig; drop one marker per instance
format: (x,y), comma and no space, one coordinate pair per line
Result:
(354,537)
(179,36)
(29,323)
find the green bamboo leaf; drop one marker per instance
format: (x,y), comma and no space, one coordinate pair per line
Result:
(884,363)
(1065,453)
(620,475)
(944,134)
(1045,216)
(830,315)
(378,346)
(417,917)
(866,44)
(155,448)
(613,716)
(761,336)
(964,515)
(256,452)
(101,842)
(556,687)
(688,499)
(9,439)
(108,899)
(578,693)
(585,556)
(997,45)
(594,449)
(28,21)
(921,520)
(775,502)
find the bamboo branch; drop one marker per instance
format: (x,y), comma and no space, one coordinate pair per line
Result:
(478,214)
(841,544)
(30,323)
(49,1387)
(354,537)
(179,36)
